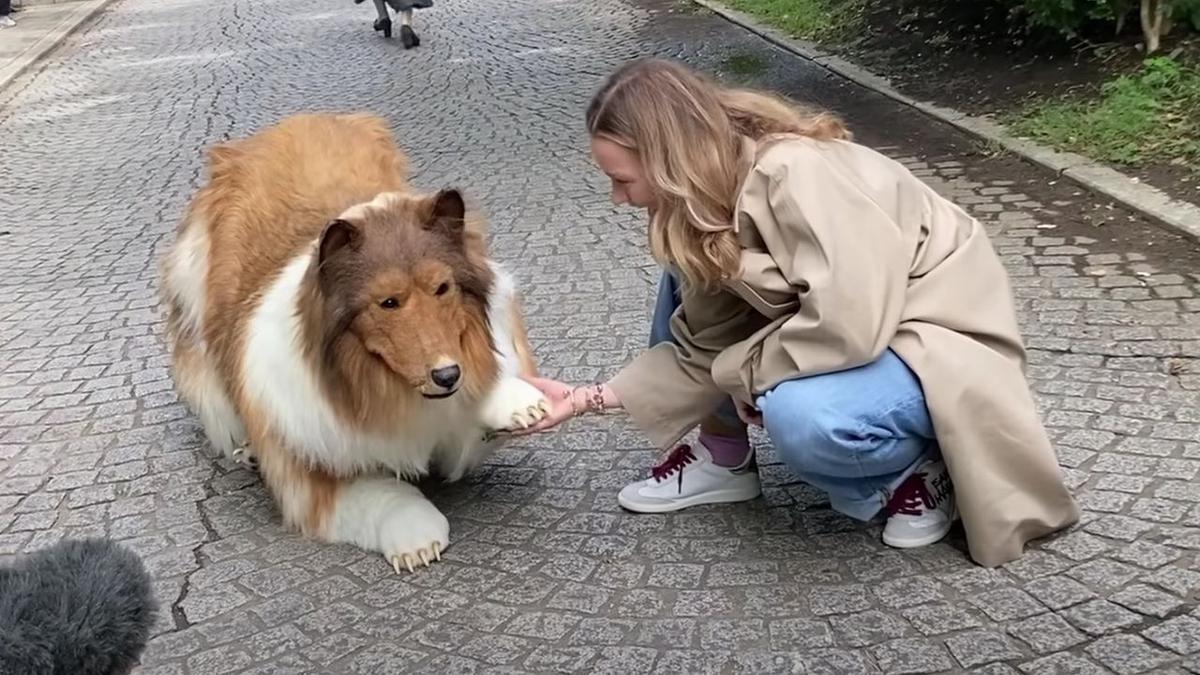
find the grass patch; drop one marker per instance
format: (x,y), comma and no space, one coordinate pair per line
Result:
(988,149)
(1148,116)
(806,19)
(689,7)
(745,65)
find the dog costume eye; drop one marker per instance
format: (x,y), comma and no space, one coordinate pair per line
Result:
(389,303)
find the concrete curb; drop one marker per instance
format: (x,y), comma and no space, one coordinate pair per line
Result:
(51,39)
(1150,201)
(36,3)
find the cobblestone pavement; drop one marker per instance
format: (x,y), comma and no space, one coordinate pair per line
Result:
(101,150)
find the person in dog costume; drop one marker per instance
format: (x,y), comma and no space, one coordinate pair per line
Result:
(817,288)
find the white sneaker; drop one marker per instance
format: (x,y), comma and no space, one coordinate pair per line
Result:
(7,22)
(921,510)
(688,477)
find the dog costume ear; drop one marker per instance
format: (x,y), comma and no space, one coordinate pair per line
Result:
(448,215)
(338,234)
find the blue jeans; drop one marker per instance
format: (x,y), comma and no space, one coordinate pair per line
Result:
(855,434)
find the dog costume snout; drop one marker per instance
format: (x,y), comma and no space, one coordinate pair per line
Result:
(446,377)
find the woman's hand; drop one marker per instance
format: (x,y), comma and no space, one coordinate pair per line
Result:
(561,408)
(567,401)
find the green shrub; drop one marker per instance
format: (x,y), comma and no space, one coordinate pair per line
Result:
(1145,116)
(1188,11)
(1069,16)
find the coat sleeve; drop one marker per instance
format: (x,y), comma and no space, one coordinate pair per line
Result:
(843,253)
(669,389)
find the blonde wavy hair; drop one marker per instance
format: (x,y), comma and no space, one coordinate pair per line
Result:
(686,130)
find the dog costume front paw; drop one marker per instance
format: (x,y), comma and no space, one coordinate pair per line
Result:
(414,536)
(393,518)
(514,404)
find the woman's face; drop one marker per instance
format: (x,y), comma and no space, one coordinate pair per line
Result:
(621,165)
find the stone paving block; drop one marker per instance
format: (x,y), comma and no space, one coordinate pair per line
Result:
(1180,581)
(684,661)
(1147,600)
(799,634)
(1079,546)
(1180,634)
(1057,592)
(1046,633)
(1100,617)
(560,659)
(819,662)
(1063,663)
(867,628)
(1127,654)
(1119,527)
(839,599)
(1007,603)
(381,658)
(979,647)
(911,655)
(615,660)
(1108,575)
(995,669)
(1148,555)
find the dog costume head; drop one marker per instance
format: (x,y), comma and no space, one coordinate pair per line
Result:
(397,277)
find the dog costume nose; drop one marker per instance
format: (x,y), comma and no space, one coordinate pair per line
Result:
(446,377)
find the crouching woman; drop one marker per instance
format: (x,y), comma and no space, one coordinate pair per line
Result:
(819,289)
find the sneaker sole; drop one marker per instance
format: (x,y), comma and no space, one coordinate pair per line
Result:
(928,539)
(665,506)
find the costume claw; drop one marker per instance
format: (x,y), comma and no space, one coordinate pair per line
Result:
(410,561)
(241,455)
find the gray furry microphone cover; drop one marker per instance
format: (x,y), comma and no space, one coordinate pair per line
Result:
(78,607)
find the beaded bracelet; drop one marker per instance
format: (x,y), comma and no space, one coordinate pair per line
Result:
(593,399)
(597,398)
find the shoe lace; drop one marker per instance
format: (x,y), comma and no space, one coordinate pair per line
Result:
(679,458)
(910,497)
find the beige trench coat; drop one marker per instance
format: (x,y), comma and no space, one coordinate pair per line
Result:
(846,253)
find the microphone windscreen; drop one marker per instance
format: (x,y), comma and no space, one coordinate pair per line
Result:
(78,607)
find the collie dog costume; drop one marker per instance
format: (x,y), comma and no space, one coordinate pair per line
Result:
(344,331)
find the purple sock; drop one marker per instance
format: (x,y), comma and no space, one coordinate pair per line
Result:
(726,451)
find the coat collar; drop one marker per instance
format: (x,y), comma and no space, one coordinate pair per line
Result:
(761,282)
(747,159)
